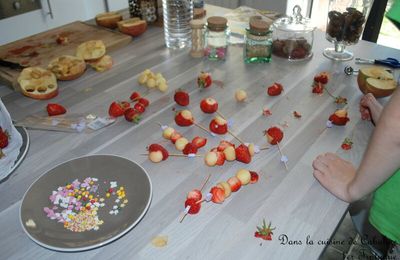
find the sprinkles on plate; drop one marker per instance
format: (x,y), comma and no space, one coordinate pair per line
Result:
(76,204)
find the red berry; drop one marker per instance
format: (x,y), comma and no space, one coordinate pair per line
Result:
(275,90)
(131,115)
(55,109)
(144,101)
(139,107)
(254,177)
(135,96)
(181,98)
(194,207)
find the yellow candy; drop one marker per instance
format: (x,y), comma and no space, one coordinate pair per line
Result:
(90,196)
(107,195)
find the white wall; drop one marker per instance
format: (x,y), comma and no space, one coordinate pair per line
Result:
(64,11)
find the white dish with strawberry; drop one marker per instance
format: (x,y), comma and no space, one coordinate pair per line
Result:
(10,141)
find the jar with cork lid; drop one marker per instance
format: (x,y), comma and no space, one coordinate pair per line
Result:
(197,50)
(216,38)
(258,47)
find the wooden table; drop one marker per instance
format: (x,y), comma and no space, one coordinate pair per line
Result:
(292,200)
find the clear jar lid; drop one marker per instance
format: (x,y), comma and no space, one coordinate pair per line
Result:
(295,23)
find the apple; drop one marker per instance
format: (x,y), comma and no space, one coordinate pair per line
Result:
(108,19)
(181,143)
(133,26)
(102,64)
(376,80)
(229,153)
(240,95)
(225,186)
(234,183)
(244,176)
(167,133)
(156,156)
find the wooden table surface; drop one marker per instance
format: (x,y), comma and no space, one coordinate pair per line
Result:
(292,200)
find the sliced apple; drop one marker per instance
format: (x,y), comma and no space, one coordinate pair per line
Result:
(133,27)
(108,19)
(376,80)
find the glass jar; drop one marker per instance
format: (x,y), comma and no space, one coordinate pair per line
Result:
(293,37)
(197,50)
(258,40)
(345,25)
(216,38)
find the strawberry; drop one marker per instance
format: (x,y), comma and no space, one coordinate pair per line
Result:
(339,117)
(4,136)
(254,177)
(131,115)
(218,194)
(117,109)
(144,101)
(181,98)
(175,136)
(135,96)
(194,206)
(189,148)
(209,105)
(220,158)
(347,144)
(223,145)
(243,154)
(264,232)
(184,118)
(322,77)
(54,109)
(275,90)
(234,183)
(274,135)
(194,194)
(199,141)
(219,125)
(204,80)
(317,88)
(139,107)
(158,147)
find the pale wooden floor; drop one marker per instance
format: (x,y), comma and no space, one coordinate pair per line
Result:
(345,232)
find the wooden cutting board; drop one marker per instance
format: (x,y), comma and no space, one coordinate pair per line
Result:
(40,49)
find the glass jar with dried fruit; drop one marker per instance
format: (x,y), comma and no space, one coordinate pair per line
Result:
(216,38)
(293,36)
(258,41)
(345,24)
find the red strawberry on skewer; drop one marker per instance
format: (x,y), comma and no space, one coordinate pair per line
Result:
(219,125)
(218,194)
(209,105)
(157,153)
(181,98)
(243,154)
(184,118)
(274,135)
(199,141)
(194,207)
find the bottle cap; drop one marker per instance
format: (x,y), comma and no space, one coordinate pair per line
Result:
(217,23)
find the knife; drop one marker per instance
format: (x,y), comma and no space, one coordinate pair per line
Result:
(11,65)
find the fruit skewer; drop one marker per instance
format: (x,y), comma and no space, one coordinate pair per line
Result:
(186,212)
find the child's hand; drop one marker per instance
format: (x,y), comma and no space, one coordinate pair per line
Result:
(365,103)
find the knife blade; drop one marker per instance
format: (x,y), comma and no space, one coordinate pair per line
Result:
(11,65)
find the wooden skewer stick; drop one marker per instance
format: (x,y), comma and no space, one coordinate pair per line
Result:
(235,136)
(280,151)
(202,127)
(264,148)
(220,114)
(184,215)
(205,182)
(202,187)
(178,155)
(159,124)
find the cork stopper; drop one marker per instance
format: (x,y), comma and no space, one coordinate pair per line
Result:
(196,24)
(258,25)
(217,23)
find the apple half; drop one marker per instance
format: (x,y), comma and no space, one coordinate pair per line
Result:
(108,19)
(376,80)
(133,26)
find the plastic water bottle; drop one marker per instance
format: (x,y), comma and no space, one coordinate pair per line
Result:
(177,17)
